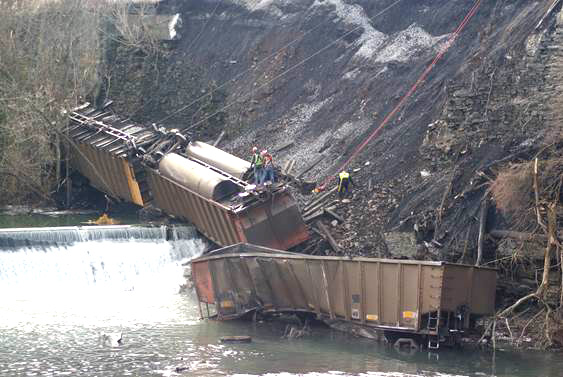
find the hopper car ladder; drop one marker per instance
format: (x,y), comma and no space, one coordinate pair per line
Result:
(433,325)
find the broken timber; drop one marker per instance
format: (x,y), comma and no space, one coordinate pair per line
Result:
(219,138)
(334,214)
(310,166)
(318,200)
(285,146)
(326,233)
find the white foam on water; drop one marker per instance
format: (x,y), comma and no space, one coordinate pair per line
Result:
(99,266)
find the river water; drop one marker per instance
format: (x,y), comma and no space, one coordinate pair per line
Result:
(63,305)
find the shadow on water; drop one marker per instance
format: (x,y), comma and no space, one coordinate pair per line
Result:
(327,351)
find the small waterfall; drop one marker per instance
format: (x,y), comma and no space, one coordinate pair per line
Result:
(22,237)
(111,258)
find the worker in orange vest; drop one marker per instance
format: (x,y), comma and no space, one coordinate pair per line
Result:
(268,174)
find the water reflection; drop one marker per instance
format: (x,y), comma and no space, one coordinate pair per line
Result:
(24,218)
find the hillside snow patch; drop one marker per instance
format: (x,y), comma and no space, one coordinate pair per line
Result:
(270,6)
(407,44)
(371,39)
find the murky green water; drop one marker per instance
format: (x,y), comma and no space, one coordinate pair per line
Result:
(56,303)
(24,218)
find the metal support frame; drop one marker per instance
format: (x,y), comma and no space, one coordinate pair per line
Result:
(346,301)
(315,290)
(327,290)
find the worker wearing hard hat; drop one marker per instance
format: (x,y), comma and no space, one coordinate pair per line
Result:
(344,179)
(257,162)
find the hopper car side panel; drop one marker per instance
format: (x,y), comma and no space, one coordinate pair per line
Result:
(203,283)
(215,221)
(275,222)
(108,170)
(470,287)
(398,295)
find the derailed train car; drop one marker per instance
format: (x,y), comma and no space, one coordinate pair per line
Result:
(193,181)
(430,301)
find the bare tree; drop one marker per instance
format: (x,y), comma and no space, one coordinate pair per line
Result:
(50,58)
(530,194)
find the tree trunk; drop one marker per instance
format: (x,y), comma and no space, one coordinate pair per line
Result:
(58,158)
(482,229)
(551,241)
(561,287)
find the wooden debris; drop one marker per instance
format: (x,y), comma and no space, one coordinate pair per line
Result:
(313,216)
(290,167)
(335,215)
(219,138)
(319,199)
(181,369)
(286,167)
(317,232)
(310,248)
(236,339)
(442,207)
(519,236)
(551,8)
(313,209)
(284,146)
(310,166)
(328,236)
(322,209)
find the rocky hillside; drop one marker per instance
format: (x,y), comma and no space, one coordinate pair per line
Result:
(324,74)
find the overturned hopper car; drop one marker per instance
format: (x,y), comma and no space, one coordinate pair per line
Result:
(190,180)
(431,301)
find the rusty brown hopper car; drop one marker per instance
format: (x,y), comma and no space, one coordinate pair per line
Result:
(195,193)
(436,300)
(193,181)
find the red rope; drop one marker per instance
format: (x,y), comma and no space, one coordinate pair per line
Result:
(422,77)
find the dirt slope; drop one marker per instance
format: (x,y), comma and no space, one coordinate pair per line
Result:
(325,73)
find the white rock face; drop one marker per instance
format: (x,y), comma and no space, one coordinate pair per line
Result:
(407,44)
(371,39)
(173,24)
(266,5)
(259,4)
(377,46)
(373,45)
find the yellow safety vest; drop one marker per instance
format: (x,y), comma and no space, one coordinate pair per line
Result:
(258,160)
(342,176)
